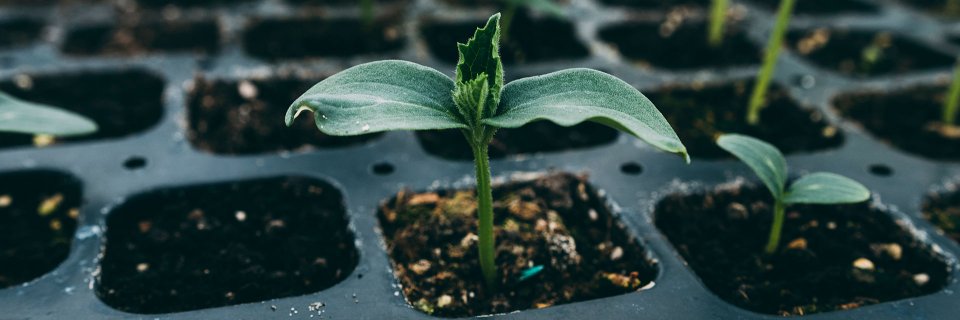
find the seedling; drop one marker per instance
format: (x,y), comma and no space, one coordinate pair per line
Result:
(950,103)
(770,166)
(547,6)
(25,117)
(401,95)
(759,97)
(718,16)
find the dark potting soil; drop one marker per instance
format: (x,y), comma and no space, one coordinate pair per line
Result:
(933,6)
(223,244)
(121,102)
(863,54)
(530,39)
(701,114)
(822,7)
(198,37)
(536,137)
(556,221)
(835,257)
(908,120)
(680,46)
(39,210)
(19,32)
(274,39)
(657,4)
(246,117)
(943,210)
(340,2)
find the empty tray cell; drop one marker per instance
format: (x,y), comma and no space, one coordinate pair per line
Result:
(680,46)
(529,40)
(864,54)
(199,37)
(39,210)
(19,32)
(536,137)
(831,257)
(700,113)
(222,244)
(299,38)
(557,243)
(822,7)
(121,102)
(246,117)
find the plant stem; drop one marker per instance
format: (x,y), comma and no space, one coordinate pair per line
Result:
(779,210)
(950,105)
(506,19)
(718,15)
(366,13)
(485,211)
(759,96)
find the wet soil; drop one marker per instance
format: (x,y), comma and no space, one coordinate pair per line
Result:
(223,244)
(943,210)
(834,257)
(864,54)
(19,32)
(536,137)
(173,36)
(680,46)
(39,210)
(246,117)
(556,223)
(701,114)
(275,39)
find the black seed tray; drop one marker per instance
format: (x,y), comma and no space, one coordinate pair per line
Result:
(160,152)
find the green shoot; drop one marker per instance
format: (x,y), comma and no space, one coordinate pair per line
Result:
(547,6)
(25,117)
(718,17)
(759,97)
(951,101)
(769,164)
(366,13)
(401,95)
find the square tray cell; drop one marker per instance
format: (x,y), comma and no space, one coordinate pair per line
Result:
(700,113)
(300,38)
(173,36)
(536,137)
(530,40)
(831,258)
(865,54)
(942,209)
(122,102)
(39,210)
(222,244)
(19,32)
(680,46)
(246,117)
(555,223)
(822,7)
(908,119)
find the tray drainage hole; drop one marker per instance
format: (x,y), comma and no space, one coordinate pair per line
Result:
(382,168)
(631,168)
(881,170)
(135,162)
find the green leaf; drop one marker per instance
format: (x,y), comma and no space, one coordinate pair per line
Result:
(26,117)
(572,96)
(479,56)
(765,160)
(380,96)
(471,94)
(826,188)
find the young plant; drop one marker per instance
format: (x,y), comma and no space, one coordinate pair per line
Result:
(25,117)
(718,16)
(759,97)
(949,116)
(770,166)
(400,95)
(547,6)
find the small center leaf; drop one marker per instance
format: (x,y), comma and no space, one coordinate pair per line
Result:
(479,56)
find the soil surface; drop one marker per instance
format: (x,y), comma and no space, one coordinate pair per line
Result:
(246,117)
(39,210)
(863,54)
(542,39)
(198,37)
(701,114)
(224,244)
(908,119)
(831,257)
(556,223)
(274,39)
(121,102)
(943,210)
(822,7)
(536,137)
(19,32)
(680,45)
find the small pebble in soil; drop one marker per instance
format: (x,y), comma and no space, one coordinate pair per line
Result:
(798,244)
(5,201)
(921,278)
(142,267)
(241,216)
(863,264)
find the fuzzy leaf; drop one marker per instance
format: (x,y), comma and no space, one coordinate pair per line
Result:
(25,117)
(380,96)
(764,159)
(481,55)
(471,94)
(826,188)
(572,96)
